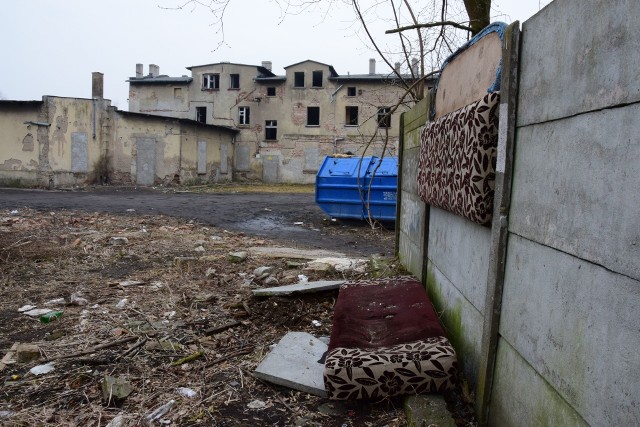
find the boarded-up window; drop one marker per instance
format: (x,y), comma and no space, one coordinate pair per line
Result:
(79,152)
(202,157)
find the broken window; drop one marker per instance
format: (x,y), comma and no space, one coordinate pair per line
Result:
(234,82)
(201,114)
(243,115)
(211,81)
(384,117)
(271,91)
(351,91)
(313,116)
(351,118)
(271,130)
(316,79)
(298,79)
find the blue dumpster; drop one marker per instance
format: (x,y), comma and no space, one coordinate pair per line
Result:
(344,187)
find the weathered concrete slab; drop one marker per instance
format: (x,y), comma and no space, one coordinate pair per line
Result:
(576,187)
(427,410)
(462,321)
(276,252)
(578,56)
(460,249)
(521,397)
(294,363)
(576,324)
(301,288)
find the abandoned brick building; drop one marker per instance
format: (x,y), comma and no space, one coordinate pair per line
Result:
(287,123)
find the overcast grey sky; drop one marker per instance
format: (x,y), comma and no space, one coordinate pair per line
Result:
(50,47)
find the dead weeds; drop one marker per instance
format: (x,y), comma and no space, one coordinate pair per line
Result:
(167,313)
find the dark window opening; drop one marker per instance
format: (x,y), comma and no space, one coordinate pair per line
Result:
(351,91)
(271,91)
(271,130)
(316,78)
(384,117)
(234,81)
(351,118)
(298,79)
(313,116)
(243,115)
(211,81)
(201,114)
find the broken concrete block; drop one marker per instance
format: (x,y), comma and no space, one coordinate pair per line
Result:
(26,353)
(341,265)
(275,252)
(305,287)
(262,272)
(115,389)
(295,363)
(238,256)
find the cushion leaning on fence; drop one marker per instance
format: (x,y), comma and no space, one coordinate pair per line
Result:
(456,170)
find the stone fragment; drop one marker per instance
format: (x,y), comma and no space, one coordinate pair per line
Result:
(237,257)
(262,272)
(119,241)
(296,363)
(427,410)
(115,389)
(305,287)
(26,353)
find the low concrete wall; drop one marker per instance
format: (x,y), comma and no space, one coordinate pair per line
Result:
(568,349)
(568,338)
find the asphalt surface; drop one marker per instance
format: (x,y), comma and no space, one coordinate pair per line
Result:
(287,218)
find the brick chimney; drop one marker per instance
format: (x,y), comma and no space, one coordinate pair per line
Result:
(267,65)
(372,66)
(97,85)
(139,70)
(414,66)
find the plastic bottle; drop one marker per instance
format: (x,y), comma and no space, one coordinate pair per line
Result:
(50,317)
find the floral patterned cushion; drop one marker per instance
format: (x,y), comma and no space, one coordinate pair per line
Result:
(419,367)
(456,170)
(386,340)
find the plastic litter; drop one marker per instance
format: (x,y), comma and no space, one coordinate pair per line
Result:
(42,369)
(26,308)
(256,404)
(122,303)
(186,392)
(51,316)
(159,412)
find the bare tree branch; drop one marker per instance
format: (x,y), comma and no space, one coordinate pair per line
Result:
(430,25)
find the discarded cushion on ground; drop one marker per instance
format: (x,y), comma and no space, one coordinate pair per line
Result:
(386,340)
(456,170)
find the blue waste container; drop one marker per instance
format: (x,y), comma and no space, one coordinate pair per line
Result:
(344,187)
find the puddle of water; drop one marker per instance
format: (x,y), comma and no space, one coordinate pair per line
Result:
(267,224)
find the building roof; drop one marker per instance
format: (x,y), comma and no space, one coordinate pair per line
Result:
(263,79)
(262,70)
(187,121)
(162,79)
(331,69)
(371,77)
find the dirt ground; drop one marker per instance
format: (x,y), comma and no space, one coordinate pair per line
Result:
(277,212)
(142,292)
